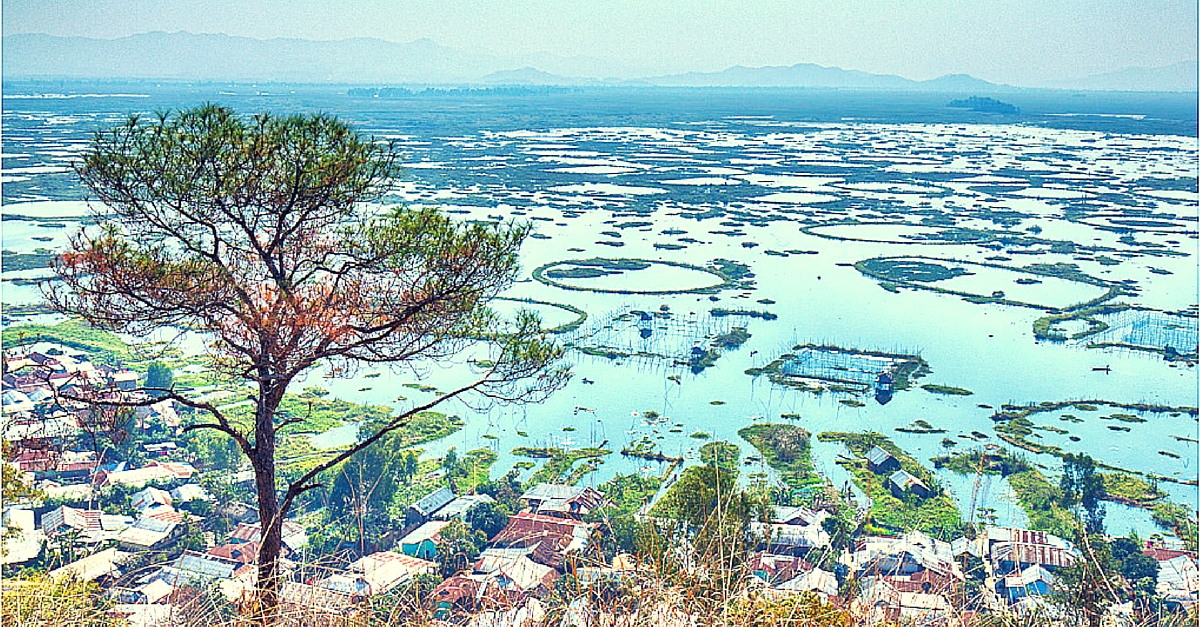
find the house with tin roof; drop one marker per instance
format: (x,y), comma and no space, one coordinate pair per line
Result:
(564,501)
(459,507)
(377,573)
(424,509)
(881,462)
(903,483)
(147,534)
(424,540)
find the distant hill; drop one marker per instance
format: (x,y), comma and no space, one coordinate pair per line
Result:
(532,76)
(189,56)
(1176,77)
(817,76)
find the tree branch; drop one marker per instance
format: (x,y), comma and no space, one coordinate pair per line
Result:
(398,421)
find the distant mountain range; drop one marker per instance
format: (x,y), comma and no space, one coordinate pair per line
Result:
(817,76)
(188,56)
(1177,77)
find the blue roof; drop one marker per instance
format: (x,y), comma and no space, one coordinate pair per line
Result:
(903,480)
(433,501)
(877,456)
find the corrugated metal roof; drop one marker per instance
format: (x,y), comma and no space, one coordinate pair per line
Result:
(551,491)
(433,501)
(877,456)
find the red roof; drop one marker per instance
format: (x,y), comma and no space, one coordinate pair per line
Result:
(1161,554)
(172,516)
(456,589)
(551,535)
(244,552)
(525,525)
(779,568)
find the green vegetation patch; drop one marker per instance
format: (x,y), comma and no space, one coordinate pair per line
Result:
(905,270)
(937,515)
(1039,498)
(732,275)
(787,450)
(920,426)
(104,347)
(731,340)
(721,454)
(628,493)
(934,388)
(39,259)
(1179,519)
(920,272)
(1042,502)
(720,312)
(560,465)
(987,461)
(318,413)
(1122,487)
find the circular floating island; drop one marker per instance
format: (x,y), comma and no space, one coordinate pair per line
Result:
(630,276)
(556,317)
(1050,287)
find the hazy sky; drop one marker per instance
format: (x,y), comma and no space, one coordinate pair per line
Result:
(1013,41)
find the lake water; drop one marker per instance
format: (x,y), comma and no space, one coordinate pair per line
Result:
(797,186)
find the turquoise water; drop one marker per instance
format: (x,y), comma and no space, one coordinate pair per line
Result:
(717,186)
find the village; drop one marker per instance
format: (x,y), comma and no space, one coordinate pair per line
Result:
(142,527)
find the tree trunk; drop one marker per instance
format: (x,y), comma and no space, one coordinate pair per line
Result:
(270,516)
(271,538)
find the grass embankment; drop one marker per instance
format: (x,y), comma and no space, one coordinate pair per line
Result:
(1045,328)
(1042,502)
(559,466)
(1015,426)
(937,514)
(103,347)
(732,275)
(1040,499)
(580,315)
(296,453)
(786,450)
(934,388)
(628,494)
(921,272)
